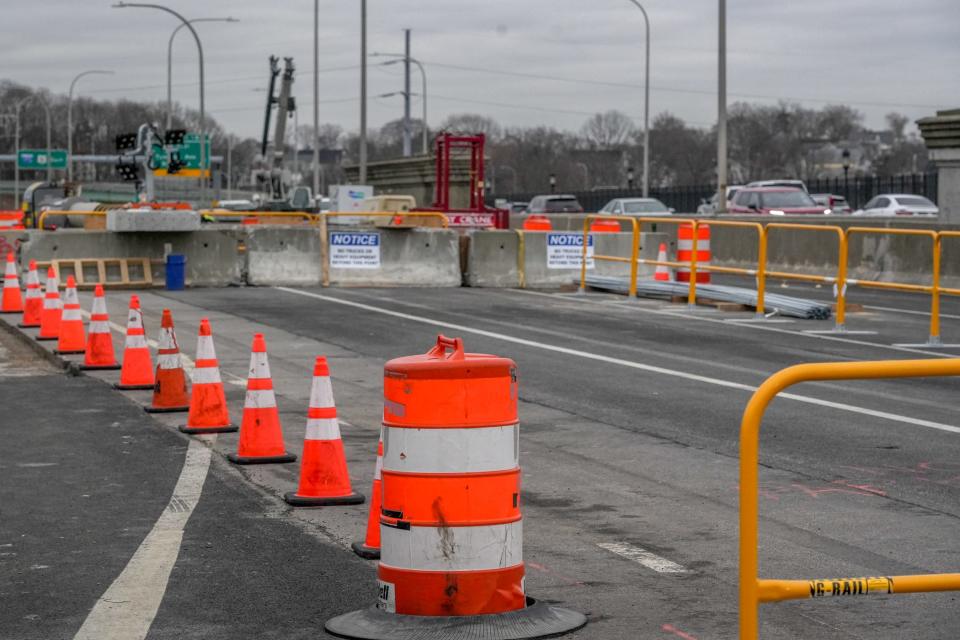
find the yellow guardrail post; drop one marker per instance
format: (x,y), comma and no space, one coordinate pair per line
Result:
(840,286)
(634,258)
(761,273)
(583,254)
(753,591)
(522,259)
(934,339)
(692,291)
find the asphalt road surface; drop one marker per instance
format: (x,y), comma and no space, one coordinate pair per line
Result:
(630,415)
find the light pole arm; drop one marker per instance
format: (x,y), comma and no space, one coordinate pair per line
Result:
(73,84)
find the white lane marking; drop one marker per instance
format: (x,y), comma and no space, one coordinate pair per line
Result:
(627,363)
(756,325)
(912,312)
(127,608)
(642,556)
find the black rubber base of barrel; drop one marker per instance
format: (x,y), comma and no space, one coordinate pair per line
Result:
(152,409)
(99,367)
(133,387)
(362,550)
(306,501)
(10,312)
(537,620)
(230,428)
(69,352)
(235,459)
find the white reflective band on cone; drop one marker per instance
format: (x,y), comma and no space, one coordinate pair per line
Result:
(378,473)
(51,303)
(259,366)
(135,319)
(471,450)
(168,360)
(136,341)
(495,546)
(321,392)
(322,429)
(206,375)
(99,307)
(166,339)
(72,313)
(259,399)
(205,348)
(33,292)
(99,326)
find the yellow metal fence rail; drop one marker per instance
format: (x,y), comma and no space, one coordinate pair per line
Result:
(753,590)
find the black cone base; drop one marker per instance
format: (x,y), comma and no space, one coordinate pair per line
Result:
(28,326)
(229,428)
(99,367)
(306,501)
(47,338)
(286,457)
(537,620)
(153,409)
(10,312)
(362,550)
(69,352)
(133,387)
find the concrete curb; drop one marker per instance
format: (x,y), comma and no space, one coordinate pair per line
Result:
(69,367)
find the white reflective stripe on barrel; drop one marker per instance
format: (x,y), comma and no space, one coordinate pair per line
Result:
(687,245)
(479,548)
(260,399)
(322,429)
(473,450)
(206,375)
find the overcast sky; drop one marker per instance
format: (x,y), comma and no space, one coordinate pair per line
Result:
(522,62)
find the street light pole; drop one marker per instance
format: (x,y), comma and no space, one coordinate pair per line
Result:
(586,174)
(363,91)
(203,141)
(16,135)
(646,104)
(407,131)
(316,101)
(722,109)
(70,117)
(423,76)
(170,62)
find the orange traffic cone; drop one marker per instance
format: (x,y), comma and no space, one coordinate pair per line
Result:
(370,547)
(261,438)
(50,314)
(99,339)
(137,371)
(33,305)
(663,271)
(71,338)
(208,403)
(12,301)
(170,388)
(324,479)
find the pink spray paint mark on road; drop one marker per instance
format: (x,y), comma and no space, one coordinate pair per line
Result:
(669,628)
(543,569)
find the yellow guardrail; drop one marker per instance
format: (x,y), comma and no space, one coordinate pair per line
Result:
(634,250)
(753,590)
(309,217)
(839,281)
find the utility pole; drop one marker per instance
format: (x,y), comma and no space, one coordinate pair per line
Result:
(407,132)
(316,101)
(722,110)
(363,91)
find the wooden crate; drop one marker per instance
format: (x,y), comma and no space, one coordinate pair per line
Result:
(112,273)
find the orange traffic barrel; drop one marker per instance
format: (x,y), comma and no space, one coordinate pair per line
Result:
(605,226)
(451,529)
(685,252)
(537,223)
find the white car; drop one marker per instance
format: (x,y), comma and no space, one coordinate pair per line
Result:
(710,206)
(636,207)
(796,184)
(898,204)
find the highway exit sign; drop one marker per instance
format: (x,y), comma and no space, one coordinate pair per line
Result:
(189,155)
(40,159)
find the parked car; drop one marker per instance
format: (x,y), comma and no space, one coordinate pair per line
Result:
(517,207)
(796,184)
(778,201)
(554,204)
(636,207)
(898,204)
(837,205)
(710,206)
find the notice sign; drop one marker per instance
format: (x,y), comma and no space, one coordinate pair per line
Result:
(565,250)
(354,250)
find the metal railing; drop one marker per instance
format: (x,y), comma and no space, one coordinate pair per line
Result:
(634,249)
(753,590)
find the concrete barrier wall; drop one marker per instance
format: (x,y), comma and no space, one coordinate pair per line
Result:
(408,258)
(285,256)
(493,258)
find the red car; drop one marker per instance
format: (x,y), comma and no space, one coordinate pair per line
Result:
(777,201)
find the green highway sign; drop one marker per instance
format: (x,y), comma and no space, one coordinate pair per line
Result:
(38,159)
(189,152)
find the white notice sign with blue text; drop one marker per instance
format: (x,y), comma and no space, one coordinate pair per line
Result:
(354,250)
(565,250)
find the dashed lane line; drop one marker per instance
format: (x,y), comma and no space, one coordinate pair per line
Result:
(625,363)
(127,608)
(641,556)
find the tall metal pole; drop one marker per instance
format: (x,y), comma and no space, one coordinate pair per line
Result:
(316,101)
(203,141)
(170,62)
(722,109)
(229,167)
(363,91)
(646,104)
(70,117)
(16,160)
(407,132)
(423,76)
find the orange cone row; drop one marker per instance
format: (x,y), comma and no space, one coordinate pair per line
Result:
(12,301)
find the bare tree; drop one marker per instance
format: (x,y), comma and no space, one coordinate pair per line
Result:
(609,130)
(473,123)
(897,124)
